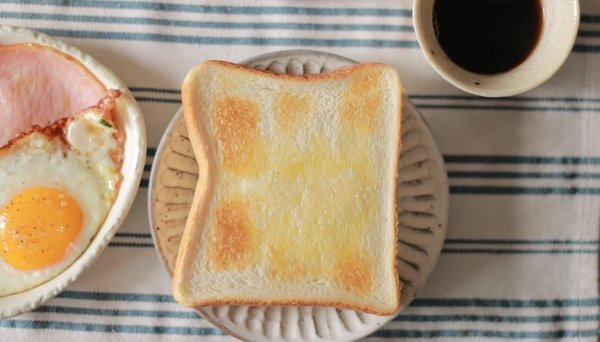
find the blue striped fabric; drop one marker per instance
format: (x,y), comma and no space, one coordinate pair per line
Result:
(467,246)
(231,10)
(207,24)
(218,40)
(521,257)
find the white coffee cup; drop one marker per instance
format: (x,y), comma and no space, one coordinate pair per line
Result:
(559,29)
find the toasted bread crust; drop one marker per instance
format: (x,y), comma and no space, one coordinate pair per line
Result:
(398,286)
(204,187)
(292,302)
(204,150)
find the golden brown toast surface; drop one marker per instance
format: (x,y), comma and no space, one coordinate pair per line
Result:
(299,184)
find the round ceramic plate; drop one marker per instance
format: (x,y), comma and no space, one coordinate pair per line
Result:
(422,211)
(128,116)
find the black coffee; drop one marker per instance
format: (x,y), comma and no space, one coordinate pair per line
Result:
(488,36)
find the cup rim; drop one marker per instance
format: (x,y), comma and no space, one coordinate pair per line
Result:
(450,71)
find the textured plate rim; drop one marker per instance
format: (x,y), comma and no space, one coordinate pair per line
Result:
(435,154)
(131,170)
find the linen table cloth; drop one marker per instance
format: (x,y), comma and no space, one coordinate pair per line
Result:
(521,256)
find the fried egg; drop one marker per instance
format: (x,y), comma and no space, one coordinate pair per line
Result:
(57,185)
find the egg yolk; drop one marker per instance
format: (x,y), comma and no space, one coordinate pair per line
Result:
(37,226)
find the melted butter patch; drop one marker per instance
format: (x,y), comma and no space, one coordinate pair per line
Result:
(232,241)
(309,207)
(353,273)
(319,206)
(285,265)
(291,110)
(362,102)
(236,125)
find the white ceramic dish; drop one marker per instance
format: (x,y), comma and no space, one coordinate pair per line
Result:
(129,116)
(423,206)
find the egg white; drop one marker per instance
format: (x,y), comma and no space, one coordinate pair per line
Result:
(38,160)
(95,139)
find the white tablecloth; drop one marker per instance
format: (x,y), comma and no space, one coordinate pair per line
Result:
(521,256)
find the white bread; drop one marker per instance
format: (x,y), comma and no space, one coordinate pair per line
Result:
(296,198)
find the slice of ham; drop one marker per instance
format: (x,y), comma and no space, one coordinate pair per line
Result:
(39,85)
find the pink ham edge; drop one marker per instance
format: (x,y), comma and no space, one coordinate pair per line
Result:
(39,85)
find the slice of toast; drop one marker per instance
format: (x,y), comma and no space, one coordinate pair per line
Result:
(296,197)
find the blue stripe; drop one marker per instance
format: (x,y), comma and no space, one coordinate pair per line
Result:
(496,318)
(456,107)
(109,328)
(451,241)
(133,235)
(505,303)
(162,330)
(244,10)
(224,25)
(521,242)
(117,296)
(588,34)
(590,19)
(505,174)
(508,108)
(497,159)
(417,302)
(445,250)
(157,100)
(131,244)
(518,251)
(303,42)
(155,90)
(584,48)
(399,318)
(502,99)
(506,159)
(522,175)
(518,190)
(207,24)
(429,106)
(484,333)
(431,96)
(118,312)
(211,40)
